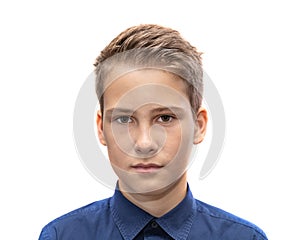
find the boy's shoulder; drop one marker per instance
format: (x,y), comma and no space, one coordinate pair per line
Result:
(89,210)
(219,218)
(88,216)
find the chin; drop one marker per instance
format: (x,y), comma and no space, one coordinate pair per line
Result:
(148,184)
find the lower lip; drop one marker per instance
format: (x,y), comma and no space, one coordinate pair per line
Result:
(146,169)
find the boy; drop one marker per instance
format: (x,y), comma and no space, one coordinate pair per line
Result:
(149,85)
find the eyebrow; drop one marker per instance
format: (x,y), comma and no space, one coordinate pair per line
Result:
(122,110)
(155,110)
(171,108)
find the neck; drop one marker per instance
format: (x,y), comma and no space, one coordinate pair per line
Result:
(160,202)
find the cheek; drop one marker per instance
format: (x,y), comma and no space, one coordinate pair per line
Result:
(177,153)
(115,154)
(173,144)
(173,140)
(180,141)
(181,135)
(116,158)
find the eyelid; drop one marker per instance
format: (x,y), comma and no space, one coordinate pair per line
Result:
(117,119)
(172,117)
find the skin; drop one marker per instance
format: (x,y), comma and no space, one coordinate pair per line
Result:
(149,129)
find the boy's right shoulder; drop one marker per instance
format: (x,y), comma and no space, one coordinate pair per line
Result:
(80,219)
(90,210)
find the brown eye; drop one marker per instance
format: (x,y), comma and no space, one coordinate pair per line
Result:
(165,118)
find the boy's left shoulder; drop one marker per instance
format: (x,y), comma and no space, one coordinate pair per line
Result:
(225,223)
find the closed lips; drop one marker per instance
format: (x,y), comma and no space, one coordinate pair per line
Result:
(146,167)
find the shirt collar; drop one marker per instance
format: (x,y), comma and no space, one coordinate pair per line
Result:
(130,219)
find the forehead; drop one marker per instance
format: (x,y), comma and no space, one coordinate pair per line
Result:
(146,86)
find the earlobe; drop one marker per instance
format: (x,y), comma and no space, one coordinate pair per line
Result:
(200,125)
(99,122)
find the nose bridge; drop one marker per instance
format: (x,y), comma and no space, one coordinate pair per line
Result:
(144,142)
(143,135)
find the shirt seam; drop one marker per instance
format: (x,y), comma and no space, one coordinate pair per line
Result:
(228,218)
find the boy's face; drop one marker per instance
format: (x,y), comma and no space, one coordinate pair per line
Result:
(149,129)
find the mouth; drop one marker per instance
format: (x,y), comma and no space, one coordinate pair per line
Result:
(146,168)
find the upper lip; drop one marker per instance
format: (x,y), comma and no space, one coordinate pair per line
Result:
(146,165)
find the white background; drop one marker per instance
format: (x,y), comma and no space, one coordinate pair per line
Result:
(251,53)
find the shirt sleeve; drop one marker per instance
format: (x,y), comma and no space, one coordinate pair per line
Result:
(48,233)
(259,236)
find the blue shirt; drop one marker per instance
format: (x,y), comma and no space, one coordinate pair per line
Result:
(117,218)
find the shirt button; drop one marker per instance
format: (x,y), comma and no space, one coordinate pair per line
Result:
(154,224)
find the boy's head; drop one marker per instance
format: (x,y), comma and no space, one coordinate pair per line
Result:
(149,85)
(152,46)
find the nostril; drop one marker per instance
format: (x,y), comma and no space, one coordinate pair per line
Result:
(148,140)
(146,149)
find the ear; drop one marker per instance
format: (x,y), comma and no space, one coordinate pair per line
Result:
(200,125)
(99,122)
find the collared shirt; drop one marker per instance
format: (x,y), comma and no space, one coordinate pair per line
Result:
(117,218)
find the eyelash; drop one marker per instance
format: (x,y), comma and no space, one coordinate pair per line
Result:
(171,118)
(128,119)
(119,119)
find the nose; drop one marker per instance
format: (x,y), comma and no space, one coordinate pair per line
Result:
(145,143)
